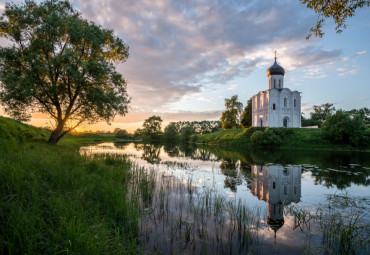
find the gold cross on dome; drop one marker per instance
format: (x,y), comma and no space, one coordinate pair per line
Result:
(275,54)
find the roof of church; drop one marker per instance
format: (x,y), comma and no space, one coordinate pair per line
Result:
(275,69)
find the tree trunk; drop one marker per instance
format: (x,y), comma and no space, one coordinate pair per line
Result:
(57,133)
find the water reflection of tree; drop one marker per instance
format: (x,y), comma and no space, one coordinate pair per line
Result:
(229,169)
(151,152)
(121,145)
(172,149)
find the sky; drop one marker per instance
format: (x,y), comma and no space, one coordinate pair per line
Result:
(186,57)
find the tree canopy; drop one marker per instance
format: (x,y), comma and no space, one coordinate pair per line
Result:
(152,126)
(321,112)
(230,118)
(338,10)
(60,64)
(246,118)
(342,127)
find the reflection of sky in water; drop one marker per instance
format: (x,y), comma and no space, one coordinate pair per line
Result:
(231,178)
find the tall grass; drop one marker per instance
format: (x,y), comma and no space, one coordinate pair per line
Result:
(55,201)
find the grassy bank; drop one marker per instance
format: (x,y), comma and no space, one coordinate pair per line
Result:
(290,138)
(55,201)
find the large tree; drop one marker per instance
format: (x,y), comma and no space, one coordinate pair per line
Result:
(338,10)
(152,126)
(342,127)
(230,118)
(60,64)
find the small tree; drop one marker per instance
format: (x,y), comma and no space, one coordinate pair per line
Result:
(152,126)
(230,118)
(246,118)
(321,111)
(186,133)
(341,127)
(60,64)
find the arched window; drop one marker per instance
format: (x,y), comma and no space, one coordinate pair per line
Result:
(285,102)
(274,83)
(279,84)
(295,102)
(273,107)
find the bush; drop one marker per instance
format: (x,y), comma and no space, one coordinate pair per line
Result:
(251,130)
(122,133)
(341,127)
(283,132)
(267,137)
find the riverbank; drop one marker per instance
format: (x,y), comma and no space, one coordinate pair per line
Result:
(291,138)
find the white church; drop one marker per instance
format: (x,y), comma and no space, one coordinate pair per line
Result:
(276,106)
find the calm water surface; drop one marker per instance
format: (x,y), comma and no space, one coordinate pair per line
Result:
(267,181)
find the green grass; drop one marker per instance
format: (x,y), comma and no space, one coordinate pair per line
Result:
(52,200)
(13,130)
(298,138)
(225,137)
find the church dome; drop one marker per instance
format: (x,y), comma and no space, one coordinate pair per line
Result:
(275,69)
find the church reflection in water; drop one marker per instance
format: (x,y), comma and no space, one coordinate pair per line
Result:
(277,185)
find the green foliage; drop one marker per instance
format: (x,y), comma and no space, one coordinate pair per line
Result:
(363,112)
(339,11)
(283,133)
(230,118)
(121,133)
(170,131)
(321,111)
(186,133)
(60,64)
(308,122)
(249,131)
(246,118)
(265,138)
(152,126)
(341,127)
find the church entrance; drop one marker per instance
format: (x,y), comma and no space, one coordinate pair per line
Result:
(285,122)
(261,122)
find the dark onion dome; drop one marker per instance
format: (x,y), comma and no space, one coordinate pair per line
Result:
(275,69)
(275,224)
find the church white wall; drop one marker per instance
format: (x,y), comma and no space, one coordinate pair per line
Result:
(285,108)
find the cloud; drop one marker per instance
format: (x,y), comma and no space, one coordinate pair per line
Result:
(204,99)
(349,72)
(177,45)
(232,86)
(361,53)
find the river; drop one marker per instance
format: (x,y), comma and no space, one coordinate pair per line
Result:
(284,190)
